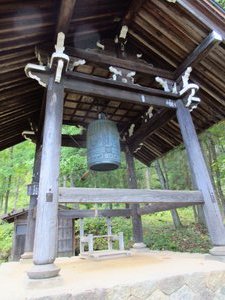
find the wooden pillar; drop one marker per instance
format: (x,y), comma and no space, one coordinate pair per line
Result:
(46,230)
(33,192)
(201,176)
(136,218)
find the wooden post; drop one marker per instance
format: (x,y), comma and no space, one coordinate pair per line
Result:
(201,177)
(33,192)
(136,218)
(45,242)
(81,223)
(109,233)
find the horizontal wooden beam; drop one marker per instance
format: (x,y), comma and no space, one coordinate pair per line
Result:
(131,93)
(93,195)
(73,141)
(100,87)
(199,53)
(148,209)
(91,213)
(157,207)
(102,59)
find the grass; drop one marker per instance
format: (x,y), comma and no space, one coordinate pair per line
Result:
(160,234)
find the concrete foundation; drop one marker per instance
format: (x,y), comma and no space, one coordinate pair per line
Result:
(154,275)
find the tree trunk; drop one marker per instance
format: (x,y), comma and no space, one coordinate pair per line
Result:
(218,185)
(163,179)
(2,194)
(9,182)
(64,180)
(17,193)
(148,178)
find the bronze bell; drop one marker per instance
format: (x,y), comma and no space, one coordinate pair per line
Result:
(103,145)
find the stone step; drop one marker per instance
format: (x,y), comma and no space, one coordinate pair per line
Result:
(104,254)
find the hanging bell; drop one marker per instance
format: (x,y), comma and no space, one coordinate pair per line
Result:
(103,145)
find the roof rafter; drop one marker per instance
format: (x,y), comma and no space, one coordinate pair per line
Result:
(147,129)
(214,24)
(199,53)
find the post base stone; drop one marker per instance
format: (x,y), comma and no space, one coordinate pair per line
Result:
(27,255)
(43,271)
(217,251)
(139,247)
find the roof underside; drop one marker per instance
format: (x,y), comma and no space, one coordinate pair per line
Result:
(166,34)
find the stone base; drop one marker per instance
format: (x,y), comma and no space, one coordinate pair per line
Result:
(27,255)
(43,271)
(108,254)
(139,247)
(218,251)
(215,257)
(49,283)
(155,275)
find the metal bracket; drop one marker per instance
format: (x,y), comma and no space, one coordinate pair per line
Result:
(185,88)
(190,101)
(29,73)
(59,61)
(32,189)
(75,63)
(59,58)
(122,75)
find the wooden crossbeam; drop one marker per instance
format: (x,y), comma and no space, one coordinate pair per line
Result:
(65,15)
(148,209)
(93,195)
(74,141)
(104,60)
(91,213)
(100,87)
(157,207)
(199,53)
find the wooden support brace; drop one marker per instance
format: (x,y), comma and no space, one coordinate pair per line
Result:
(199,53)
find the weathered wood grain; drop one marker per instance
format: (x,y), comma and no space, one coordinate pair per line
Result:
(95,195)
(91,213)
(47,208)
(158,207)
